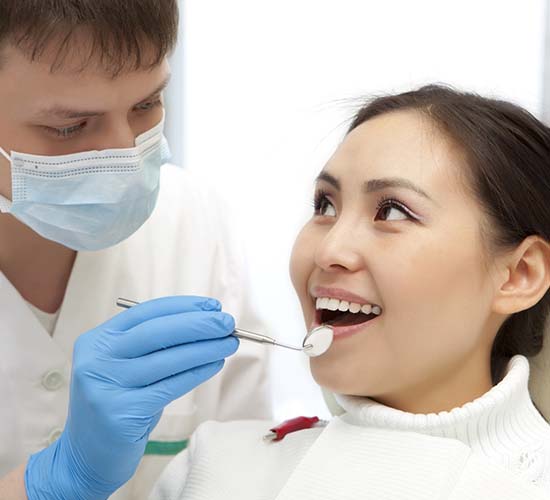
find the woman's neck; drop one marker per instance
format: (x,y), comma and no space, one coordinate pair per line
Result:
(451,388)
(502,424)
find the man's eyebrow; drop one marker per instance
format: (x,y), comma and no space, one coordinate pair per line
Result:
(71,114)
(158,90)
(66,113)
(375,185)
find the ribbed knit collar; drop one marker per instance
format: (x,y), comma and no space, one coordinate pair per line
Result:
(502,424)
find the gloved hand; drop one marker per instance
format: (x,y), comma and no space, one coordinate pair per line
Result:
(124,373)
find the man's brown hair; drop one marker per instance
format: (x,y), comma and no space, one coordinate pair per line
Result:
(121,35)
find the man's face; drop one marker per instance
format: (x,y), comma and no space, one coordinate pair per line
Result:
(68,111)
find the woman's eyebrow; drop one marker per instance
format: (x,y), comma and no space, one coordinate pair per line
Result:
(333,181)
(374,185)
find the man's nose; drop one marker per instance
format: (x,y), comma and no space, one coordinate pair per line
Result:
(340,248)
(116,134)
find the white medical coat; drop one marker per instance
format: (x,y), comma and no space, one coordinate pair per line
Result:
(185,247)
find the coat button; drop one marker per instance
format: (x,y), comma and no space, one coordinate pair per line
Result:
(52,380)
(54,435)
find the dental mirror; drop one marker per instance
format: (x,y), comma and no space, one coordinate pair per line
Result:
(318,341)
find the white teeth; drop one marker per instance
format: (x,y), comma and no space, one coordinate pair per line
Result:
(344,306)
(333,304)
(354,308)
(322,303)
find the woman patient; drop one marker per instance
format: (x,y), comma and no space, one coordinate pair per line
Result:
(435,208)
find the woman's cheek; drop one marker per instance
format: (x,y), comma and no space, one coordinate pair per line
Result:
(295,266)
(301,262)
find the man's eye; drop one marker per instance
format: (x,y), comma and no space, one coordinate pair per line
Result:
(66,132)
(323,206)
(147,106)
(387,206)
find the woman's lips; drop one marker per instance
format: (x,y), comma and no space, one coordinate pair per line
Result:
(338,293)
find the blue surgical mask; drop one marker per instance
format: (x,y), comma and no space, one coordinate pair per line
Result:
(90,200)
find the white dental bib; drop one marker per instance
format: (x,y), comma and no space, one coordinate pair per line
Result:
(377,452)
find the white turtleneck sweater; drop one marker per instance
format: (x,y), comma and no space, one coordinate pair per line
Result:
(497,446)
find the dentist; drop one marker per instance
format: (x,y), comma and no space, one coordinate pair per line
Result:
(88,215)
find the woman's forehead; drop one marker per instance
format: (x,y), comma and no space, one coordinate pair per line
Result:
(399,144)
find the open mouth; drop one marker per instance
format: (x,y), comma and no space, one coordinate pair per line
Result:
(338,313)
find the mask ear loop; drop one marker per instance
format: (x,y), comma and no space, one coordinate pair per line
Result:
(5,204)
(5,155)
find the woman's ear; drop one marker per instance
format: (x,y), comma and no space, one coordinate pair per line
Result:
(525,276)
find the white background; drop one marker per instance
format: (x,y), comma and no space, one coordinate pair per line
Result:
(262,90)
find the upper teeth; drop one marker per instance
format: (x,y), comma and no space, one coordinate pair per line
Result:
(344,305)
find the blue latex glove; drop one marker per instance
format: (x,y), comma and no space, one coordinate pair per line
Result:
(124,373)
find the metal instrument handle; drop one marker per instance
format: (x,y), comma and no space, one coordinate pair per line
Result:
(256,337)
(238,332)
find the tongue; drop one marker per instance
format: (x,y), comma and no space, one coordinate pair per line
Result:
(347,319)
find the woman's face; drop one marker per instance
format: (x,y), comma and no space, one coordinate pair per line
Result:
(395,227)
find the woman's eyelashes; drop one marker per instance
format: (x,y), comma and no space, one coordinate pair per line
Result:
(390,208)
(388,204)
(321,204)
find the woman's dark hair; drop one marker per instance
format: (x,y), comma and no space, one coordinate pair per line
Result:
(123,34)
(507,151)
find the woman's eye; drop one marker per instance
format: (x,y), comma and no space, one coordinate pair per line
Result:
(323,206)
(392,210)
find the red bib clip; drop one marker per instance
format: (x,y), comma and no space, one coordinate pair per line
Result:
(294,424)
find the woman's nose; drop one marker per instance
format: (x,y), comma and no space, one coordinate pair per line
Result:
(339,249)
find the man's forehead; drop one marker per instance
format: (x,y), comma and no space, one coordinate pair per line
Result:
(68,112)
(66,94)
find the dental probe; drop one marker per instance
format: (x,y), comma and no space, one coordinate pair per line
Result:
(238,332)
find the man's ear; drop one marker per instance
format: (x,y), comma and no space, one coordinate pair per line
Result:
(525,276)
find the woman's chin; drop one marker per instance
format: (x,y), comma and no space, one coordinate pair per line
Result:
(350,377)
(329,377)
